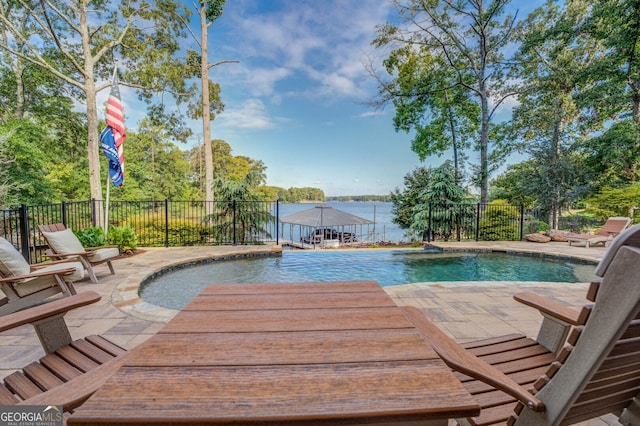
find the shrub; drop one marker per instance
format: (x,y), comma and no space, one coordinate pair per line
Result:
(123,237)
(91,237)
(534,226)
(498,224)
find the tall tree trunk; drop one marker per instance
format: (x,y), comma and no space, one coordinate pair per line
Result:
(554,160)
(93,132)
(454,139)
(206,111)
(484,148)
(18,69)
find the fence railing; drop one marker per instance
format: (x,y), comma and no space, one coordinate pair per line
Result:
(480,222)
(156,223)
(186,223)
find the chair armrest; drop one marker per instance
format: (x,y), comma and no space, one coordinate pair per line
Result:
(76,391)
(101,247)
(66,255)
(456,357)
(552,309)
(47,310)
(52,262)
(37,273)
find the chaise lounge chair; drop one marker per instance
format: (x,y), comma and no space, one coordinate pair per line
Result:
(26,285)
(63,244)
(612,227)
(71,371)
(559,380)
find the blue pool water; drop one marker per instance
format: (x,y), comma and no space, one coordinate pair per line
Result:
(176,288)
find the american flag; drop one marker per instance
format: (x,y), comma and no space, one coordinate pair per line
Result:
(113,136)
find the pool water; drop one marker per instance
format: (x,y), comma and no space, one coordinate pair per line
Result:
(176,288)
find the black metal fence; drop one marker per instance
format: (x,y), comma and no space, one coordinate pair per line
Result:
(480,222)
(155,223)
(188,223)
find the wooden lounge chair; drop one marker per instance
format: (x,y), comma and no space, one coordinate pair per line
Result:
(64,244)
(71,371)
(612,227)
(26,285)
(559,380)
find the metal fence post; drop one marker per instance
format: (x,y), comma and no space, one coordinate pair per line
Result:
(93,212)
(521,221)
(166,222)
(24,232)
(235,241)
(430,226)
(63,212)
(478,222)
(277,222)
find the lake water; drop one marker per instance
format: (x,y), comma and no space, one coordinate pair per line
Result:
(379,212)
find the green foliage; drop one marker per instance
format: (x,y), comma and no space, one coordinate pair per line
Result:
(424,188)
(579,222)
(91,237)
(26,162)
(613,157)
(439,72)
(249,220)
(499,223)
(615,202)
(534,226)
(214,9)
(124,237)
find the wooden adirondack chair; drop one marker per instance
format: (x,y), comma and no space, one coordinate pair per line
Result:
(27,285)
(72,370)
(559,380)
(64,244)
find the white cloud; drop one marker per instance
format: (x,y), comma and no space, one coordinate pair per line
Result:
(306,40)
(252,114)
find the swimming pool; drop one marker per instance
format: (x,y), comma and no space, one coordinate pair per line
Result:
(175,288)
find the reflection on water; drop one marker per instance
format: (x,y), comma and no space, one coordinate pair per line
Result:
(388,267)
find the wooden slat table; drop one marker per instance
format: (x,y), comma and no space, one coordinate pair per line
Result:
(304,353)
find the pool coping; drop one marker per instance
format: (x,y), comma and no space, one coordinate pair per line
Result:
(126,296)
(127,299)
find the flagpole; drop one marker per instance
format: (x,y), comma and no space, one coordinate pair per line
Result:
(106,210)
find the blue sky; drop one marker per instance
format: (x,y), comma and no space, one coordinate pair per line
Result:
(297,99)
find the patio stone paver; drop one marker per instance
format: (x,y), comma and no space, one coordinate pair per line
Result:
(467,311)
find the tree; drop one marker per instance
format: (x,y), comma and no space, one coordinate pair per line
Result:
(233,215)
(552,55)
(210,102)
(427,100)
(611,85)
(469,41)
(614,156)
(7,188)
(441,192)
(422,187)
(615,202)
(77,41)
(156,167)
(25,162)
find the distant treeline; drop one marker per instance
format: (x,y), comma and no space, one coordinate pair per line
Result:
(381,198)
(307,194)
(293,195)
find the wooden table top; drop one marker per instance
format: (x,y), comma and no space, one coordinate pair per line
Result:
(303,353)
